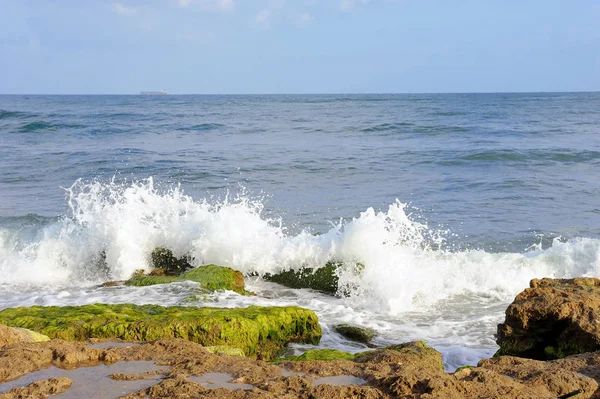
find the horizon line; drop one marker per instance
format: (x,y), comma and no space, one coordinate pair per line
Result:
(300,94)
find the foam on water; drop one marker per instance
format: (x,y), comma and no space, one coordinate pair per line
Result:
(113,228)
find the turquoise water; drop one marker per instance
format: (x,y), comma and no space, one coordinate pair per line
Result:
(452,201)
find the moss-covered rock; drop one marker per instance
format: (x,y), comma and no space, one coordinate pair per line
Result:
(324,279)
(321,354)
(258,331)
(163,259)
(210,278)
(355,333)
(225,350)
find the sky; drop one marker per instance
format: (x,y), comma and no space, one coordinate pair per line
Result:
(298,46)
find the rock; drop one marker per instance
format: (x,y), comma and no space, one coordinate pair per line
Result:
(355,333)
(552,319)
(410,370)
(163,259)
(258,331)
(321,354)
(324,279)
(225,350)
(12,336)
(210,278)
(39,389)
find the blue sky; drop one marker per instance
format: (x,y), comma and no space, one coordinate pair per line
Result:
(298,46)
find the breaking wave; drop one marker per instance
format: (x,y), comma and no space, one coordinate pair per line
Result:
(113,227)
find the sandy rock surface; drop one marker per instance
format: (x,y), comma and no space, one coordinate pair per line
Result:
(552,319)
(410,370)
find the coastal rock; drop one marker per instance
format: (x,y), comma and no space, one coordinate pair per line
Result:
(258,331)
(12,336)
(163,259)
(39,389)
(324,279)
(410,370)
(354,333)
(210,277)
(552,319)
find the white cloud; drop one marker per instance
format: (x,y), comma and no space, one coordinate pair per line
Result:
(305,19)
(123,10)
(209,5)
(348,5)
(263,18)
(225,5)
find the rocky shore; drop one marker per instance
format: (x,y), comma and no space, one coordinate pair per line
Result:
(549,348)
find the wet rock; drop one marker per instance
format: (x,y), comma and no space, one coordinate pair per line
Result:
(552,319)
(258,331)
(355,333)
(163,259)
(410,370)
(225,350)
(12,336)
(324,279)
(39,389)
(321,354)
(210,277)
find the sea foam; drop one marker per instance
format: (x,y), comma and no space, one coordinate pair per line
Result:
(113,227)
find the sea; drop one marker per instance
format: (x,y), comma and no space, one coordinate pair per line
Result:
(449,203)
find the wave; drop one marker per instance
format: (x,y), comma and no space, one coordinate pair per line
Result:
(202,127)
(113,227)
(566,156)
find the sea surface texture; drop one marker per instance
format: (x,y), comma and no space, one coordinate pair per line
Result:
(451,202)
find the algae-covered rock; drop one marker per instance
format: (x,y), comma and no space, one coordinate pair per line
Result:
(163,258)
(258,331)
(414,353)
(12,336)
(355,333)
(225,350)
(552,319)
(321,354)
(324,279)
(210,278)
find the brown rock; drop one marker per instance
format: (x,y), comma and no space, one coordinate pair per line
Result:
(11,336)
(411,370)
(552,319)
(39,389)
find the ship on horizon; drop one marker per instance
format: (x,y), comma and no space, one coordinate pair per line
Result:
(154,93)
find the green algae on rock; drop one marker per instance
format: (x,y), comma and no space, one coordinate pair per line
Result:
(258,331)
(210,278)
(355,333)
(320,354)
(225,350)
(324,279)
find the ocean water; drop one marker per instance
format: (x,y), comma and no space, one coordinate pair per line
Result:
(452,202)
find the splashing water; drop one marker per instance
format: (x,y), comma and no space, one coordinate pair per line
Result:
(113,228)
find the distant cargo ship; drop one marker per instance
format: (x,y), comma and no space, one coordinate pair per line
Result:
(154,93)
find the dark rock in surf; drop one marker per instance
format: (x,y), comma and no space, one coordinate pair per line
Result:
(354,333)
(324,279)
(163,259)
